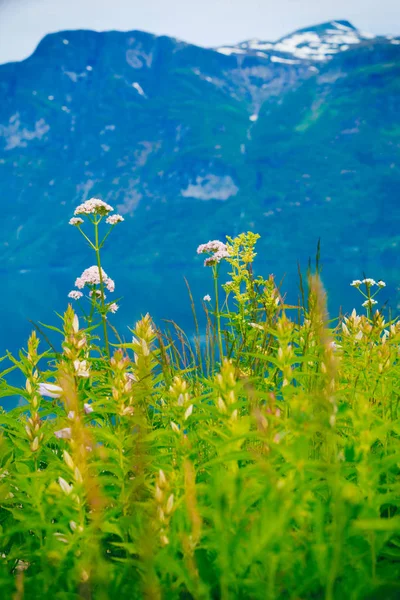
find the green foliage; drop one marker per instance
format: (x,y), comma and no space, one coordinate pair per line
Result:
(260,464)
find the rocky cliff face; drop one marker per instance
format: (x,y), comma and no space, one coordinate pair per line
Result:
(296,139)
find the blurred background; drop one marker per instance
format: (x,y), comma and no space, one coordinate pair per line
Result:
(196,121)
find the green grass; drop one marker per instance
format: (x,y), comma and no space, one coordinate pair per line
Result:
(259,460)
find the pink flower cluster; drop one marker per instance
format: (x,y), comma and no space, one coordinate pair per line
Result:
(216,258)
(76,221)
(75,295)
(94,206)
(211,247)
(114,219)
(217,249)
(91,276)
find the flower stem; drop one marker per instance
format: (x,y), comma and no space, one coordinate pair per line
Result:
(217,313)
(103,313)
(86,237)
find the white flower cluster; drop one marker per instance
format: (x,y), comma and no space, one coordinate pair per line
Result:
(370,302)
(207,298)
(91,276)
(114,219)
(76,221)
(94,206)
(211,247)
(75,295)
(368,282)
(113,307)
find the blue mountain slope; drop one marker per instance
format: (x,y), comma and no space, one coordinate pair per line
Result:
(296,139)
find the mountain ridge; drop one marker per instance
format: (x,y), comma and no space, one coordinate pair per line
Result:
(318,28)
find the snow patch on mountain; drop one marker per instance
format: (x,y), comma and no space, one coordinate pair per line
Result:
(314,44)
(138,88)
(288,61)
(75,76)
(16,136)
(211,187)
(230,50)
(138,58)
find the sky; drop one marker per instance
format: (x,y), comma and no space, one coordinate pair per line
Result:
(23,23)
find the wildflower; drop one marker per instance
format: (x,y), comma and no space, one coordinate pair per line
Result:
(113,307)
(87,408)
(369,302)
(356,283)
(114,219)
(81,368)
(50,390)
(216,258)
(91,276)
(369,282)
(63,434)
(75,295)
(211,247)
(94,206)
(381,284)
(77,221)
(207,298)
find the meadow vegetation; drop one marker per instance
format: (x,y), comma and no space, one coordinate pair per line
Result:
(258,459)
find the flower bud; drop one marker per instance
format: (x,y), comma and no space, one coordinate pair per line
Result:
(75,323)
(188,412)
(175,427)
(169,505)
(68,460)
(35,444)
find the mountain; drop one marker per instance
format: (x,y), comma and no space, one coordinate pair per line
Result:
(297,139)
